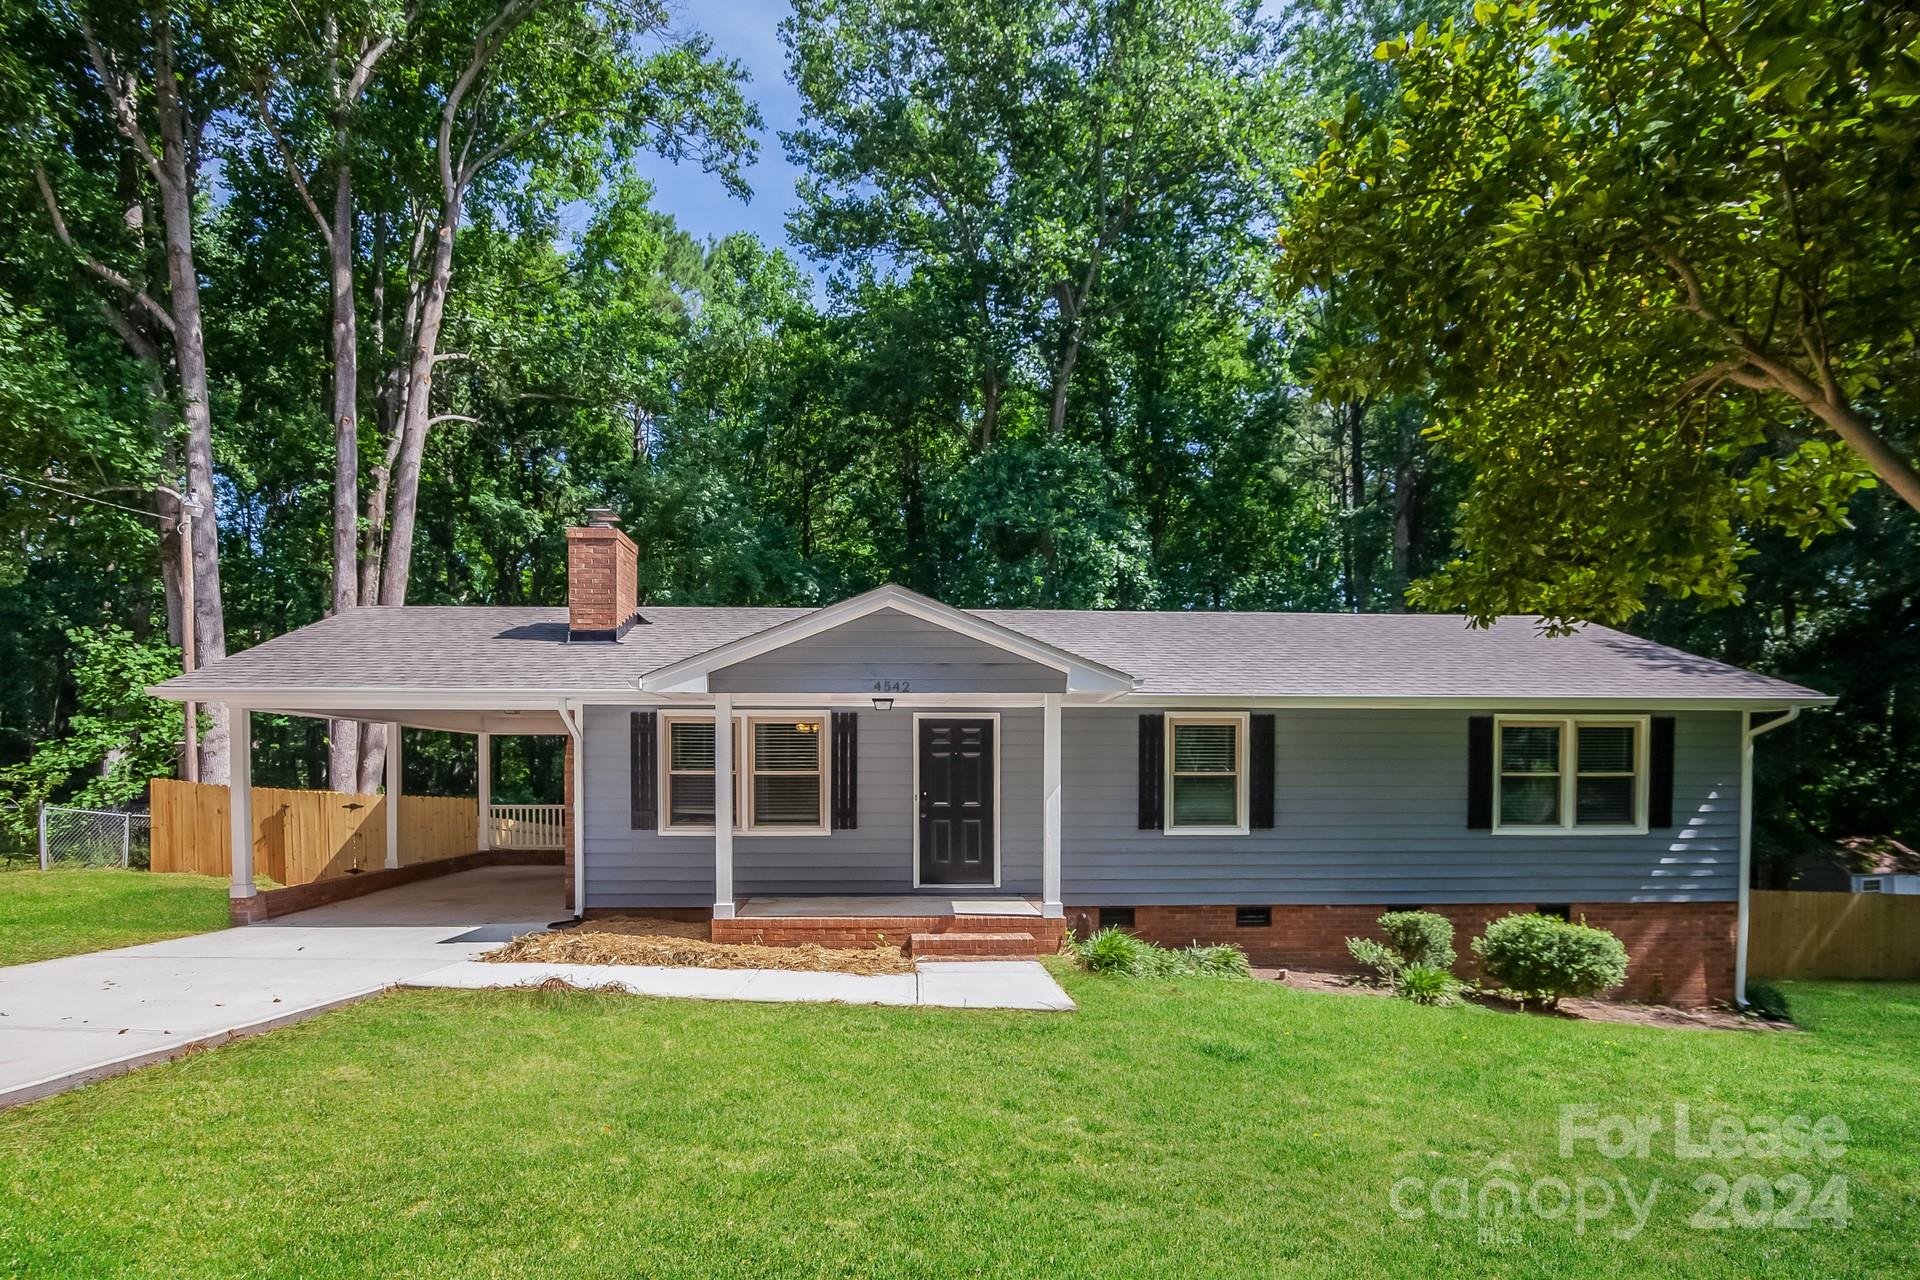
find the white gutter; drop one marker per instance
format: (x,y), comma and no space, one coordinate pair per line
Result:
(569,711)
(1749,731)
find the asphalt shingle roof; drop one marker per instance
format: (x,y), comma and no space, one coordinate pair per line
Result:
(1367,656)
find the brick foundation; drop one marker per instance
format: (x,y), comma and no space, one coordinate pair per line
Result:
(1679,953)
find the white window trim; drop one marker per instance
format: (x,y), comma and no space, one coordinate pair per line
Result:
(1872,884)
(1242,722)
(742,772)
(913,795)
(1569,778)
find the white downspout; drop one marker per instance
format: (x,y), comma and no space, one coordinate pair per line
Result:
(568,711)
(1748,733)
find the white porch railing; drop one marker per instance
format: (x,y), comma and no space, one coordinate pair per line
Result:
(525,826)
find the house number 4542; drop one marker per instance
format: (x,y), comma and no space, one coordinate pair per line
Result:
(893,686)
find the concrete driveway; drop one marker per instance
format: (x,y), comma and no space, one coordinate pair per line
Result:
(80,1018)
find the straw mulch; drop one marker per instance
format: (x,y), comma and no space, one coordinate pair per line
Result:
(636,942)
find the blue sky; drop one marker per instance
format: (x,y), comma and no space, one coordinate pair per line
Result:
(747,30)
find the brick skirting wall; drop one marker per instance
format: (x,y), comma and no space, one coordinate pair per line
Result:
(1679,953)
(864,931)
(269,903)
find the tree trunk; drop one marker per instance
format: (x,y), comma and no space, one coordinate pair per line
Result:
(1062,378)
(413,421)
(1406,526)
(1357,501)
(343,757)
(190,361)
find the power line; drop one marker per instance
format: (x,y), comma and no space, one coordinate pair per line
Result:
(83,497)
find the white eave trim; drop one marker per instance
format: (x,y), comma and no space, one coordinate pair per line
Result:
(689,675)
(383,698)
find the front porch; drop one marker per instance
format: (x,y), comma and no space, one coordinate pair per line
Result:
(922,926)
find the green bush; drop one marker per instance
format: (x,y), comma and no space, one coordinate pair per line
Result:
(1542,959)
(1110,951)
(1420,937)
(1414,938)
(1767,1001)
(1115,951)
(1377,956)
(1426,984)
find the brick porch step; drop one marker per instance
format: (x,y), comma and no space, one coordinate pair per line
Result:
(973,946)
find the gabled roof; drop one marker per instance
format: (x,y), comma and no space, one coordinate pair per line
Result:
(1083,675)
(448,656)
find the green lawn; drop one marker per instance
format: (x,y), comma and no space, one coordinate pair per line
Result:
(62,913)
(1198,1129)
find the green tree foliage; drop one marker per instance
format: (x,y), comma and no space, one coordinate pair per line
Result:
(1656,264)
(1037,358)
(116,739)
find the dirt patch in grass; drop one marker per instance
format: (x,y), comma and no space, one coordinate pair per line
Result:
(1645,1015)
(675,944)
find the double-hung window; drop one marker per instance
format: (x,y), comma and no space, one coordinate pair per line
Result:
(779,773)
(1571,773)
(786,774)
(1206,774)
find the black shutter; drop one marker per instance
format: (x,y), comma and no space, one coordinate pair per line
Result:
(1152,755)
(1660,774)
(846,770)
(646,777)
(1480,773)
(1260,771)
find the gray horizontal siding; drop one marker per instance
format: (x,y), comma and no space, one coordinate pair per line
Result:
(887,645)
(627,868)
(1371,806)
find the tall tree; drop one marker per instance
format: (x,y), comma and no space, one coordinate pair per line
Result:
(147,69)
(309,71)
(1658,262)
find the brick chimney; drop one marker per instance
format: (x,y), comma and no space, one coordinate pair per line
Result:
(603,573)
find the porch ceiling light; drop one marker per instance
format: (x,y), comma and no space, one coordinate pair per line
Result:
(883,704)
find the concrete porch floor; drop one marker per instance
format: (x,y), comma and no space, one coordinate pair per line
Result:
(895,906)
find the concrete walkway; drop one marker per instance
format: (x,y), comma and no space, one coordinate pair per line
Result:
(80,1018)
(67,1022)
(952,984)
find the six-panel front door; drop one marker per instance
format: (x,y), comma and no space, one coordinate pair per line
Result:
(956,801)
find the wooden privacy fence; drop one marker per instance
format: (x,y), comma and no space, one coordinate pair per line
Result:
(303,836)
(1833,935)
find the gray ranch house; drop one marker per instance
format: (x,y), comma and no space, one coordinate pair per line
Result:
(890,764)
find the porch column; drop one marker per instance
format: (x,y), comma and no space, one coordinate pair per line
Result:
(722,807)
(1050,905)
(240,800)
(393,795)
(484,789)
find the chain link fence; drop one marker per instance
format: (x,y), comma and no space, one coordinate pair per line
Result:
(72,837)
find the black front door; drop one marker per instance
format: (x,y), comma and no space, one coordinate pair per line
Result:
(956,801)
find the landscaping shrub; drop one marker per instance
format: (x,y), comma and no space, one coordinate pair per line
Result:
(1414,939)
(1767,1001)
(1426,984)
(1377,956)
(1542,959)
(1421,938)
(1115,951)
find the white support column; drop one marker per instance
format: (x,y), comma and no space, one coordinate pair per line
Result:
(722,807)
(484,790)
(240,800)
(1050,905)
(393,795)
